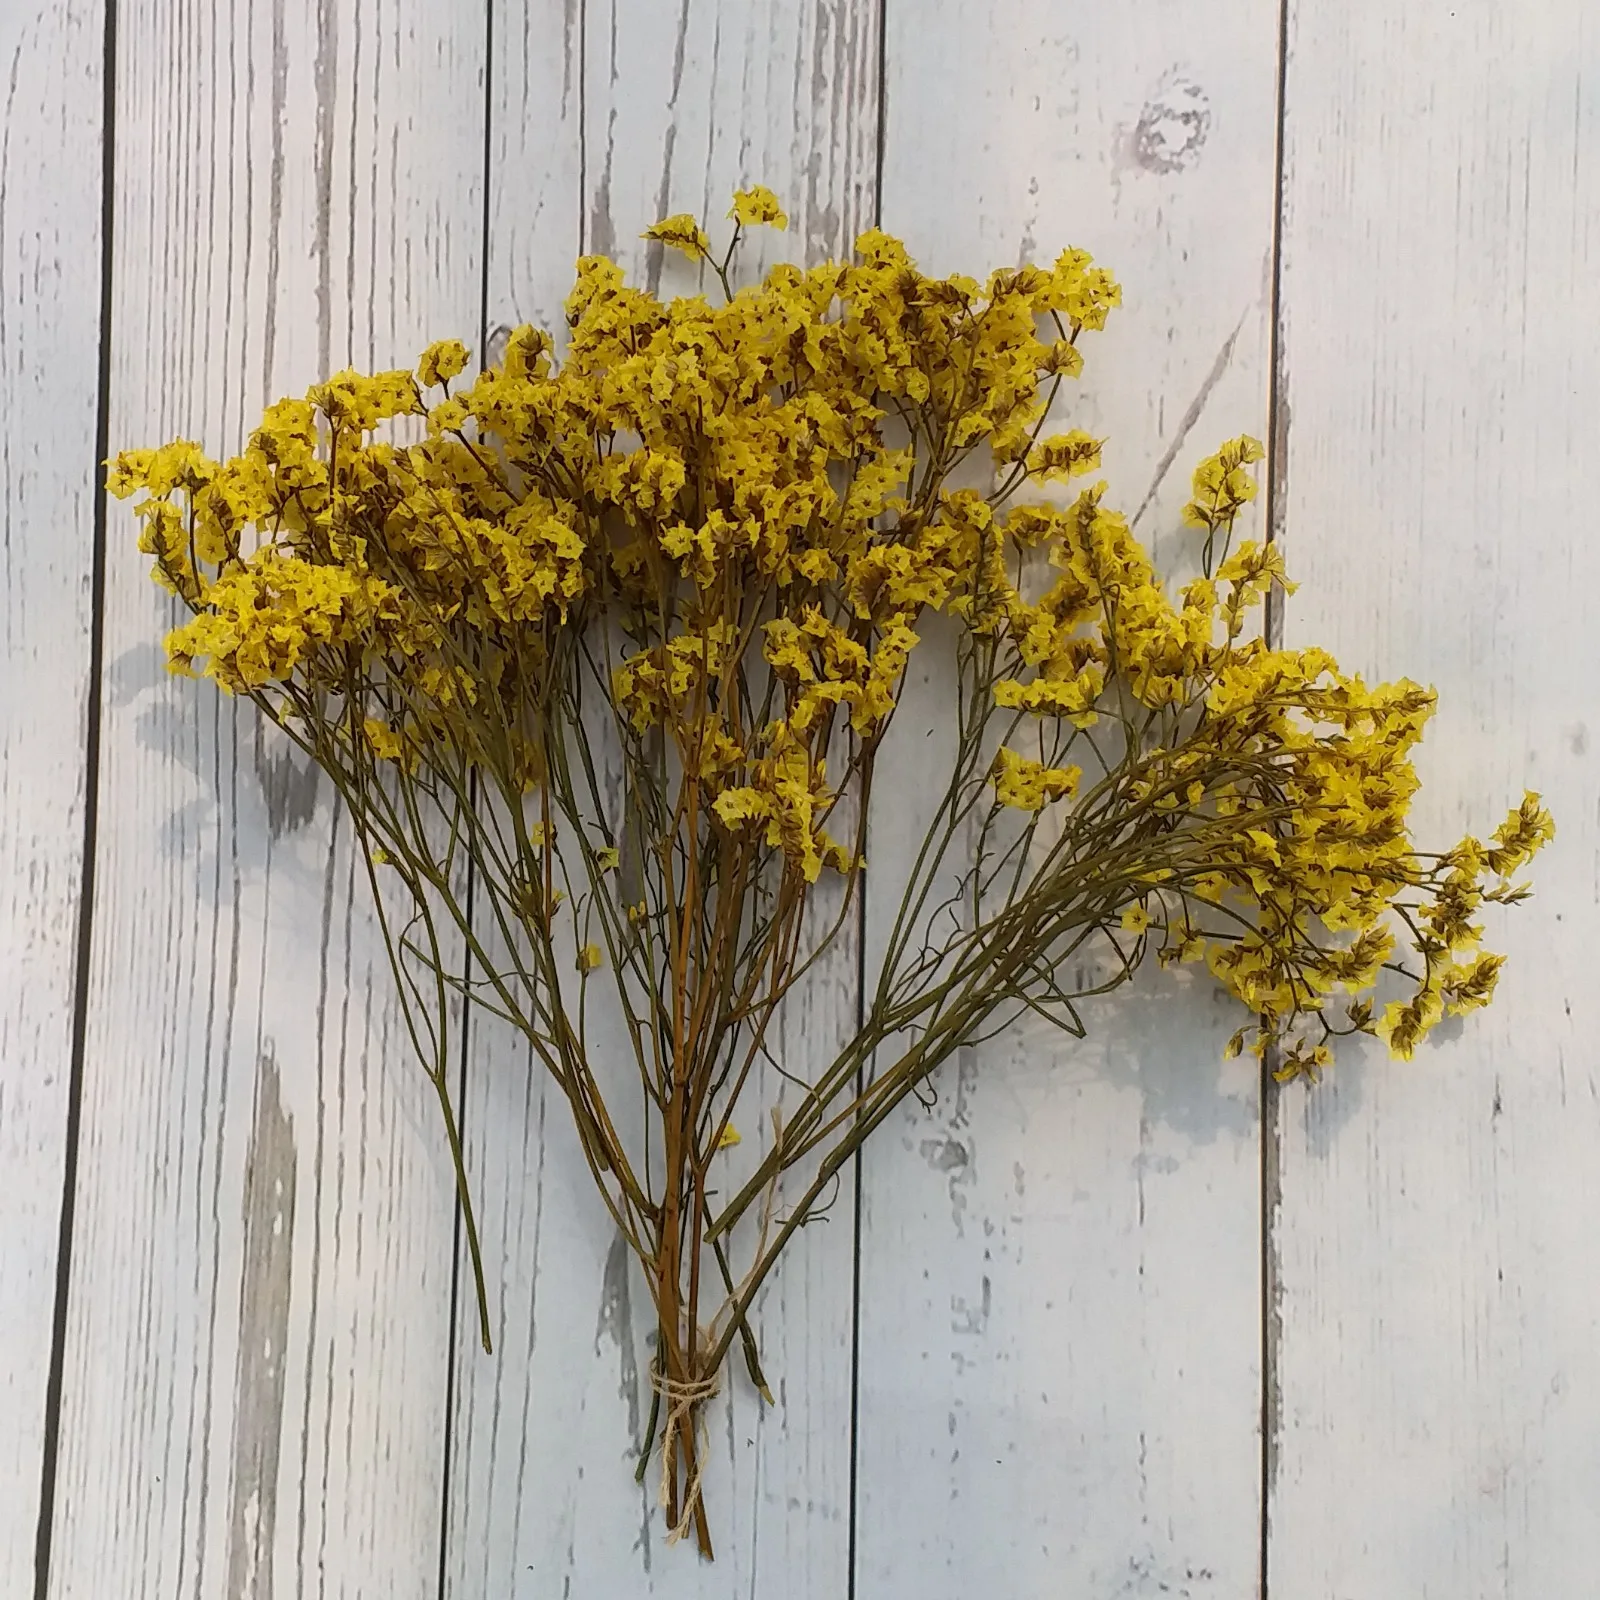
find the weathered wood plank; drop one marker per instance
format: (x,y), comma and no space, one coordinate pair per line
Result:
(1435,1243)
(51,76)
(505,1477)
(258,1340)
(680,105)
(1059,1351)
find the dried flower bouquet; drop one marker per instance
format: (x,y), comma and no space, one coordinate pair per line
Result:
(686,563)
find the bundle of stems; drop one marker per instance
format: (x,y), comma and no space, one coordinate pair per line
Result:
(602,656)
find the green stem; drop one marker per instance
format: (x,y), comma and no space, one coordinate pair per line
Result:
(469,1220)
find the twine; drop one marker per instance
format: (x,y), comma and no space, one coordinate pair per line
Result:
(683,1398)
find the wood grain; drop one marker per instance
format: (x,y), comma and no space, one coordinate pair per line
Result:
(1061,1326)
(679,106)
(1060,1323)
(1435,1244)
(50,156)
(259,1323)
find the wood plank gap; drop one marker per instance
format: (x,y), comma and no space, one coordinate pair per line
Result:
(583,128)
(488,200)
(458,1242)
(453,1342)
(1269,1129)
(882,94)
(50,1454)
(1271,1318)
(1277,404)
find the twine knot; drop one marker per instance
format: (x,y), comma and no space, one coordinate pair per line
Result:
(683,1397)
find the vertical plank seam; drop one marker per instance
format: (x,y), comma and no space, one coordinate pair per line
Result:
(488,168)
(583,124)
(1271,1192)
(880,121)
(453,1348)
(50,1452)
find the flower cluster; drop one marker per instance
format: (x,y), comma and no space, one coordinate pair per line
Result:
(759,498)
(722,528)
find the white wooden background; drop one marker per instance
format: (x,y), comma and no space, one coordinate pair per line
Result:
(1105,1322)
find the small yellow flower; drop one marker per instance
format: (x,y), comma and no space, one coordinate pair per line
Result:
(1405,1024)
(1303,1061)
(735,806)
(681,232)
(1029,785)
(590,957)
(1526,831)
(1135,919)
(757,206)
(607,858)
(386,743)
(730,1137)
(1222,487)
(441,361)
(1065,455)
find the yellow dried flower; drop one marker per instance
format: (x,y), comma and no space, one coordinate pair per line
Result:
(1066,455)
(1028,784)
(758,206)
(1221,485)
(681,232)
(673,583)
(442,361)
